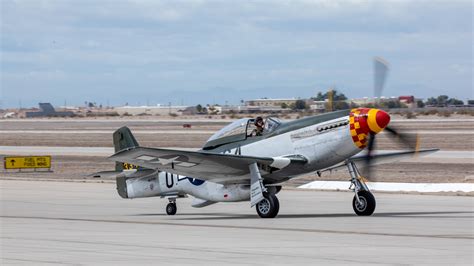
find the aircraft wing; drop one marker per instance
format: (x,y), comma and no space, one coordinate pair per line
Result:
(389,157)
(382,157)
(220,168)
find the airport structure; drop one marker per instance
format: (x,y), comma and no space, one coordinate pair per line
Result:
(277,105)
(371,100)
(408,100)
(47,110)
(270,102)
(150,110)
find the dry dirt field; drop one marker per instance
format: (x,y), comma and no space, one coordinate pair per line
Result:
(447,134)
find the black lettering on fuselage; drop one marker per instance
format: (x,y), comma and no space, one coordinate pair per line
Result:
(169,180)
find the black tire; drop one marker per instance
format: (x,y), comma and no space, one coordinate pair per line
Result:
(268,207)
(368,203)
(171,208)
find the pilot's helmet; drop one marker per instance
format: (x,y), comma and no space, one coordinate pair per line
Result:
(258,120)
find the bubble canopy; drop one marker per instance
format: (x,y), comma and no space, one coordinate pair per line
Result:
(240,130)
(234,128)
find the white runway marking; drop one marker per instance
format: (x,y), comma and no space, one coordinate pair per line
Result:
(394,187)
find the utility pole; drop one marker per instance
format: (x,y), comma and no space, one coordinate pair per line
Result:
(330,99)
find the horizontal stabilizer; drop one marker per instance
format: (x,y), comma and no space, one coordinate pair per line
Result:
(199,203)
(133,173)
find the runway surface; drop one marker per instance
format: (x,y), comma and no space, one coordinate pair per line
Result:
(87,223)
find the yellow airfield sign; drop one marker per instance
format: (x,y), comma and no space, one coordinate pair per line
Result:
(21,162)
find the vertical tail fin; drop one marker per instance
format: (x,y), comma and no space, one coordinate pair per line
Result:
(123,139)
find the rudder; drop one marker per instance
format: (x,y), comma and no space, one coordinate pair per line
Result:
(124,139)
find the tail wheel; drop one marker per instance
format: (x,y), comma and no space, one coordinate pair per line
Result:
(365,206)
(171,208)
(268,207)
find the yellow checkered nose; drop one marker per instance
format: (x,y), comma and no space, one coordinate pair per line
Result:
(366,121)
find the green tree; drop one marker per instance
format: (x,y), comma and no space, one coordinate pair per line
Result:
(454,101)
(443,100)
(199,108)
(300,105)
(432,101)
(338,98)
(320,97)
(420,104)
(284,105)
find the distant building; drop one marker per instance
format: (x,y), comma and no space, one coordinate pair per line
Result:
(270,102)
(151,110)
(214,109)
(316,105)
(408,101)
(372,100)
(47,110)
(261,109)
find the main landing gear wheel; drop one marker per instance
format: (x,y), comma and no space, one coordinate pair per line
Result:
(171,208)
(365,206)
(268,207)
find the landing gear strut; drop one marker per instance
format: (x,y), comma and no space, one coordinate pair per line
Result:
(171,207)
(268,207)
(263,198)
(363,202)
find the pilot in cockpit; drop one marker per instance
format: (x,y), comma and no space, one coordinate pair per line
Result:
(259,126)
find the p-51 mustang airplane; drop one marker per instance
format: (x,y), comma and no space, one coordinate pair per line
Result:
(237,165)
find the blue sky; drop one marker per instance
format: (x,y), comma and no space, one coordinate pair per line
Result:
(223,51)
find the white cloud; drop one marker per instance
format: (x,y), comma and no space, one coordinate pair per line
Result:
(204,44)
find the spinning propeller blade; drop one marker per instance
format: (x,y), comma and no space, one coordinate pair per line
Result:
(409,141)
(380,75)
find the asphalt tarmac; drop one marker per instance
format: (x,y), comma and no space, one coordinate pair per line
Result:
(88,223)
